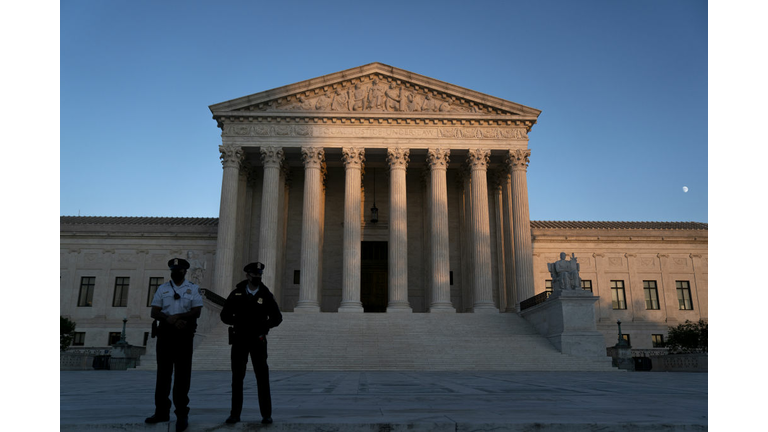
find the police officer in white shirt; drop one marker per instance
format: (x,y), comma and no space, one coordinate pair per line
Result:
(177,305)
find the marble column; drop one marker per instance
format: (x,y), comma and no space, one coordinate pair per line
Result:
(398,231)
(466,240)
(427,233)
(350,288)
(498,180)
(231,158)
(243,210)
(441,290)
(517,161)
(313,158)
(481,232)
(509,241)
(272,160)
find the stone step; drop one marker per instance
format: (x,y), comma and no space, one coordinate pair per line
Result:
(396,341)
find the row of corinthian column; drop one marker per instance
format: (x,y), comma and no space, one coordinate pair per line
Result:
(515,206)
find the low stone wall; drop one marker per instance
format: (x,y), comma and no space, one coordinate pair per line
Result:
(82,358)
(680,363)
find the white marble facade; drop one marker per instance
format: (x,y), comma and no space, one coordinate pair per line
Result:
(446,167)
(435,146)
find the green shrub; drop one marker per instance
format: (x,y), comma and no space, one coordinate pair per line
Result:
(688,337)
(67,332)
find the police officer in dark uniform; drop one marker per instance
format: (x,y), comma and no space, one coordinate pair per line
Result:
(177,305)
(251,310)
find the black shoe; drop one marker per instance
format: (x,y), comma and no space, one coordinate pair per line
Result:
(232,419)
(267,420)
(156,418)
(181,424)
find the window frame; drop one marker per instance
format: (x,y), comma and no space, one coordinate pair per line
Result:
(659,344)
(90,287)
(78,339)
(650,291)
(123,287)
(588,281)
(684,287)
(615,301)
(150,291)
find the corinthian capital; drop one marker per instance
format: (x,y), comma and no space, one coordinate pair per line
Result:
(398,157)
(231,156)
(353,157)
(518,159)
(438,158)
(313,157)
(478,159)
(272,157)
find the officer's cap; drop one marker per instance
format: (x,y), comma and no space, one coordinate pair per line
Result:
(178,263)
(255,268)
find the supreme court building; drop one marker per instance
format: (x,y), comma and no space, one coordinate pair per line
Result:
(376,189)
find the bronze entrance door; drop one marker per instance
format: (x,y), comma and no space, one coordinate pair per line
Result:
(373,276)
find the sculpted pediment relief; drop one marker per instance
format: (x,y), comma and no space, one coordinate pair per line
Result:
(372,89)
(375,95)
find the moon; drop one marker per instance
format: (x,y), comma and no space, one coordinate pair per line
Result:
(685,189)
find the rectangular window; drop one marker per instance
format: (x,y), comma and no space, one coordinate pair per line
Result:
(548,287)
(626,338)
(586,285)
(146,338)
(617,295)
(79,339)
(651,295)
(121,292)
(657,340)
(684,295)
(85,299)
(450,277)
(296,277)
(114,337)
(154,282)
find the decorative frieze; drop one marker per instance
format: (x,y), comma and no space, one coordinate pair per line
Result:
(305,130)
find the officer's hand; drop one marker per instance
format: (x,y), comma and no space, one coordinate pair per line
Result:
(171,319)
(180,324)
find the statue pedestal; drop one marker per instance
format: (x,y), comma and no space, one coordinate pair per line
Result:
(567,319)
(124,356)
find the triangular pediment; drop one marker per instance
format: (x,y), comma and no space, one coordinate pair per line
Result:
(375,88)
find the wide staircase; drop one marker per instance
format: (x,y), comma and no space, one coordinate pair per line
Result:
(397,341)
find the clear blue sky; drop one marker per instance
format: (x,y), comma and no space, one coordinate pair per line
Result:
(622,86)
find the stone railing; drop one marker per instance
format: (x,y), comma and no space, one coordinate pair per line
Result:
(82,358)
(680,363)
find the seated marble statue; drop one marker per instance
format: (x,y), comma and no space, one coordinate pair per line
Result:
(565,273)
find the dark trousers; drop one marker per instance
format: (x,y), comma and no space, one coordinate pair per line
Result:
(174,352)
(258,352)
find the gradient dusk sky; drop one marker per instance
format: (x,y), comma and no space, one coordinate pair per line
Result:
(622,87)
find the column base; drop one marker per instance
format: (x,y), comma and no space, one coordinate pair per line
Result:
(399,307)
(441,308)
(307,307)
(351,307)
(485,308)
